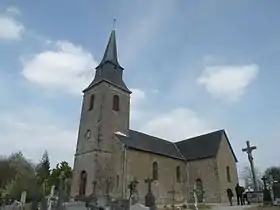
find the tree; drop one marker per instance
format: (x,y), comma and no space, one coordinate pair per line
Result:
(43,168)
(22,177)
(273,172)
(247,177)
(61,168)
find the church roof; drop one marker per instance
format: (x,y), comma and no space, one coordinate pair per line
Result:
(109,69)
(199,147)
(144,142)
(203,146)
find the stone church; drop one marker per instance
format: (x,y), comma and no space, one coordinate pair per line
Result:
(109,155)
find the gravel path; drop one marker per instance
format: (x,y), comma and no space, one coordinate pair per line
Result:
(226,207)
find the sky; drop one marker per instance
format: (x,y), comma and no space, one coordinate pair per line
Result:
(193,67)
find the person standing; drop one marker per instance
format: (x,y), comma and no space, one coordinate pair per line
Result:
(238,194)
(229,195)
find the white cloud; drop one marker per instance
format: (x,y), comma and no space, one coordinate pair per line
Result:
(228,82)
(10,28)
(13,11)
(33,131)
(177,124)
(68,68)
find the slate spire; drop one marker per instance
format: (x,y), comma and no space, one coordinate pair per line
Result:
(109,69)
(111,54)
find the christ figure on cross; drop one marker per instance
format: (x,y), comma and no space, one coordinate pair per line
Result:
(249,149)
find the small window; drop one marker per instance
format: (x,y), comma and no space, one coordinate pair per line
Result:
(228,174)
(91,102)
(178,174)
(116,103)
(155,171)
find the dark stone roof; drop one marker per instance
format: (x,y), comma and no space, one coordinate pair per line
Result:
(203,146)
(145,142)
(109,69)
(199,147)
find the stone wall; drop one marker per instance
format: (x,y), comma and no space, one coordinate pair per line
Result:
(204,169)
(226,159)
(139,166)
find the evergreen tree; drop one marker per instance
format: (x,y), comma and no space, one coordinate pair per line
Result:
(43,168)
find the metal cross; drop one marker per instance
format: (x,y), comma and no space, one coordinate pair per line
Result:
(249,149)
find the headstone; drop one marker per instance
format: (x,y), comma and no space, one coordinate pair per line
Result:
(267,199)
(150,198)
(139,206)
(44,204)
(23,198)
(276,193)
(75,205)
(34,205)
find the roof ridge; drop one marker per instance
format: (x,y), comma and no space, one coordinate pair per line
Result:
(179,151)
(153,136)
(204,134)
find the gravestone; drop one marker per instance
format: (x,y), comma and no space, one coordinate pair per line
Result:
(276,193)
(75,205)
(34,204)
(139,206)
(267,200)
(150,200)
(23,198)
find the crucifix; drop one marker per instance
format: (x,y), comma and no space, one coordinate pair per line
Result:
(249,149)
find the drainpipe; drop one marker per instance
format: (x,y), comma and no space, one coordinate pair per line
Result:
(124,172)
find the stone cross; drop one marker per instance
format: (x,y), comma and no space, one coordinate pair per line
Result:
(149,182)
(264,179)
(249,149)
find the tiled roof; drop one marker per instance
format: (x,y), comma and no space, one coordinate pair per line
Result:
(199,147)
(145,142)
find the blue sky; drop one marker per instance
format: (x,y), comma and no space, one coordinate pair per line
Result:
(193,66)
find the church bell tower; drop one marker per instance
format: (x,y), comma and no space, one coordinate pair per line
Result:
(105,110)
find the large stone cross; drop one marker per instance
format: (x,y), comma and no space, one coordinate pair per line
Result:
(249,149)
(149,182)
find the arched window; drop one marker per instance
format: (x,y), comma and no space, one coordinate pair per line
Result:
(83,183)
(155,171)
(228,174)
(116,103)
(178,174)
(91,102)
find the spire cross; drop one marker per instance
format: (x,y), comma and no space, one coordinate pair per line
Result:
(114,23)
